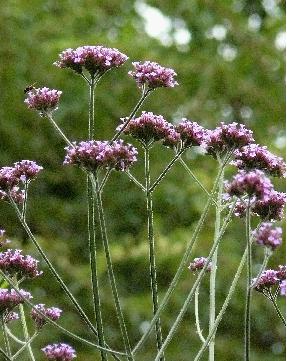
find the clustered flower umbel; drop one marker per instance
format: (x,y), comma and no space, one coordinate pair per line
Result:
(271,278)
(153,75)
(101,154)
(53,313)
(268,235)
(94,59)
(44,100)
(254,156)
(191,133)
(227,138)
(10,299)
(198,263)
(150,127)
(59,352)
(13,177)
(14,263)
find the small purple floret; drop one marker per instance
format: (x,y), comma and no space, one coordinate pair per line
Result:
(191,133)
(198,263)
(268,235)
(10,299)
(59,352)
(95,154)
(53,313)
(266,281)
(44,100)
(153,75)
(26,170)
(271,207)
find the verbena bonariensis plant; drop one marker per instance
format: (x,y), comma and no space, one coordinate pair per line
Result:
(248,194)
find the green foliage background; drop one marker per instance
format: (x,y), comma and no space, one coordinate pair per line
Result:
(230,66)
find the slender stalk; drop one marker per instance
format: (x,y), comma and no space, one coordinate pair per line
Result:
(25,199)
(197,181)
(94,271)
(152,260)
(197,322)
(181,268)
(96,189)
(145,94)
(274,303)
(136,181)
(62,329)
(224,306)
(27,344)
(267,255)
(59,130)
(92,108)
(26,332)
(16,339)
(248,286)
(4,354)
(104,181)
(167,168)
(212,297)
(6,339)
(191,293)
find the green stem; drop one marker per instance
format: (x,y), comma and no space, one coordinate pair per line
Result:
(274,303)
(62,329)
(92,108)
(25,200)
(97,193)
(167,168)
(198,280)
(135,181)
(26,332)
(59,130)
(27,344)
(16,339)
(181,268)
(267,255)
(224,306)
(212,304)
(4,354)
(93,267)
(197,181)
(248,285)
(196,312)
(6,339)
(152,260)
(145,93)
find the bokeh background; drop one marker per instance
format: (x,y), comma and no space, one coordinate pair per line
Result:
(229,56)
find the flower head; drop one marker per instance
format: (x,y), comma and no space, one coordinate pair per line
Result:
(53,313)
(13,262)
(11,316)
(191,133)
(266,281)
(253,183)
(283,288)
(227,137)
(17,194)
(26,170)
(44,100)
(95,59)
(268,235)
(148,127)
(59,352)
(254,156)
(281,273)
(271,207)
(10,299)
(198,263)
(8,178)
(95,154)
(153,75)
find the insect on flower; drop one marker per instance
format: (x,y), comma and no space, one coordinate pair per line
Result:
(28,88)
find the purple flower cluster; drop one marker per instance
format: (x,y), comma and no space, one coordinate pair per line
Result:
(198,263)
(12,177)
(11,316)
(268,235)
(153,75)
(59,352)
(271,207)
(191,133)
(270,278)
(254,156)
(44,100)
(14,263)
(10,299)
(95,59)
(150,127)
(227,137)
(95,154)
(53,313)
(253,183)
